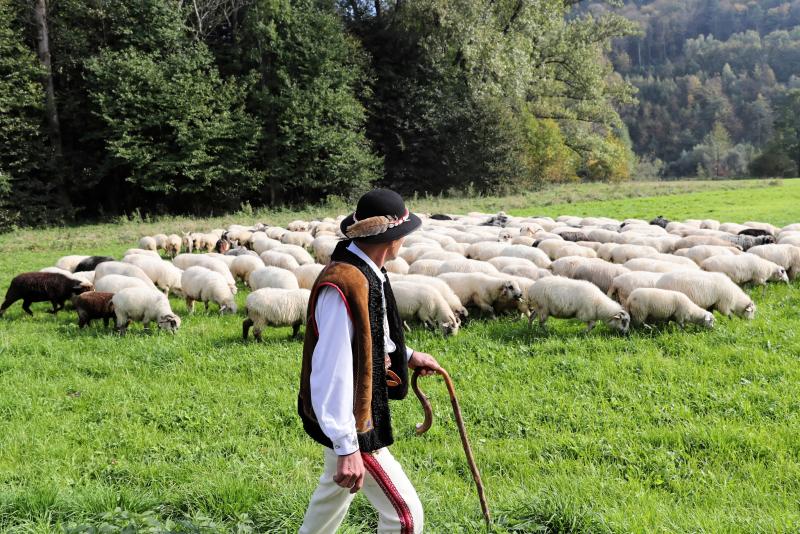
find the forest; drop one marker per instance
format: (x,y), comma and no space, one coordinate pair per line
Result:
(208,106)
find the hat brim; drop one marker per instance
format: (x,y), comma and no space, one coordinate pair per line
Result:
(391,234)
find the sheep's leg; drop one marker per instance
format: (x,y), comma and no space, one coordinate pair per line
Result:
(764,290)
(485,307)
(206,303)
(6,303)
(257,333)
(543,320)
(105,322)
(26,306)
(296,329)
(406,327)
(589,326)
(55,309)
(190,305)
(246,324)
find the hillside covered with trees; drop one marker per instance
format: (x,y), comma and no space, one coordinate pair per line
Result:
(717,84)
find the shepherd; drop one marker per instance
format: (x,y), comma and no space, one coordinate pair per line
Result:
(355,360)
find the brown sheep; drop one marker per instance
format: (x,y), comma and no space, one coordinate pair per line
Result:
(93,305)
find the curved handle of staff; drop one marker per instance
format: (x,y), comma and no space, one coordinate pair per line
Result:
(423,427)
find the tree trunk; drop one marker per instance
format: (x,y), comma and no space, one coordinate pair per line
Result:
(43,51)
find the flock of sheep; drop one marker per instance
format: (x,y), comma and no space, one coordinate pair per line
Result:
(587,268)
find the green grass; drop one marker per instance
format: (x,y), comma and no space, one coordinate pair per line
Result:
(662,431)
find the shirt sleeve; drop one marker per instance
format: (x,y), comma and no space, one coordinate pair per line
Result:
(332,372)
(409,352)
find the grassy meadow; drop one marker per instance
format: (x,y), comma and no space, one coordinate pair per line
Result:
(666,430)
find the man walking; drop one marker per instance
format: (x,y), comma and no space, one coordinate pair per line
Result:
(354,361)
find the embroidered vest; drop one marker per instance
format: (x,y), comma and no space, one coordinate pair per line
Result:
(360,288)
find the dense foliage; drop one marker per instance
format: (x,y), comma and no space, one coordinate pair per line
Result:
(199,107)
(713,78)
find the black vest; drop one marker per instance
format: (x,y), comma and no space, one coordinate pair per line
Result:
(381,434)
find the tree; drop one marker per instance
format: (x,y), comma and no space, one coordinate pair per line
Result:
(787,126)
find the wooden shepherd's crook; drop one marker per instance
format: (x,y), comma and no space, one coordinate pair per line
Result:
(423,427)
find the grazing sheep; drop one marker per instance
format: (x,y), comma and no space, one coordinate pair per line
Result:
(600,274)
(275,307)
(307,274)
(118,267)
(566,266)
(439,285)
(275,232)
(524,240)
(678,260)
(787,256)
(526,271)
(784,240)
(426,267)
(423,302)
(241,251)
(574,250)
(551,247)
(302,239)
(467,266)
(270,276)
(148,243)
(91,263)
(538,257)
(264,243)
(504,261)
(173,245)
(660,221)
(144,305)
(414,253)
(440,255)
(141,251)
(161,241)
(68,263)
(242,266)
(485,250)
(564,298)
(481,290)
(279,259)
(622,253)
(766,227)
(623,285)
(93,305)
(54,288)
(654,266)
(747,268)
(114,283)
(83,276)
(205,285)
(397,265)
(710,291)
(298,226)
(224,258)
(747,242)
(699,253)
(298,253)
(184,261)
(162,273)
(663,305)
(693,240)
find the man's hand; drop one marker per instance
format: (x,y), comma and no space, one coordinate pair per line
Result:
(426,363)
(350,472)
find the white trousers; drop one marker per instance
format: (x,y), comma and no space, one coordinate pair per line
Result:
(385,485)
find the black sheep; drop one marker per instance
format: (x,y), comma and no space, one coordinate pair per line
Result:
(91,262)
(755,232)
(660,221)
(42,287)
(94,305)
(441,217)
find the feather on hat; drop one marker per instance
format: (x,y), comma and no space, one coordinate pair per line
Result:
(372,226)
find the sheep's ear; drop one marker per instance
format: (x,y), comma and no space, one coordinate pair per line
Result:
(619,315)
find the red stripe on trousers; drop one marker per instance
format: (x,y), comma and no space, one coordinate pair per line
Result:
(382,478)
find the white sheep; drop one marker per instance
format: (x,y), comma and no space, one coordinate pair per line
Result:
(205,285)
(467,266)
(574,250)
(699,253)
(793,239)
(184,261)
(301,239)
(439,285)
(623,285)
(397,265)
(600,274)
(481,290)
(564,298)
(525,271)
(161,241)
(144,305)
(423,302)
(500,262)
(298,226)
(270,276)
(279,259)
(538,257)
(162,273)
(227,259)
(81,276)
(141,252)
(243,265)
(148,243)
(126,269)
(426,267)
(787,256)
(300,254)
(662,305)
(275,232)
(415,252)
(622,253)
(746,268)
(68,263)
(114,283)
(485,250)
(307,274)
(441,255)
(551,246)
(275,307)
(566,266)
(710,291)
(654,266)
(264,243)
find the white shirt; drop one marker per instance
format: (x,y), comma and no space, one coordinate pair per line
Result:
(332,364)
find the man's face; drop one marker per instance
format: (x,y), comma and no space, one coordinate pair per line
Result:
(394,249)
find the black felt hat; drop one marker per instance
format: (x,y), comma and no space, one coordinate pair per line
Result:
(381,216)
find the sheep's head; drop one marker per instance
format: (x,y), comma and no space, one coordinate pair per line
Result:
(450,327)
(169,322)
(708,320)
(780,275)
(620,321)
(81,287)
(228,308)
(749,311)
(511,290)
